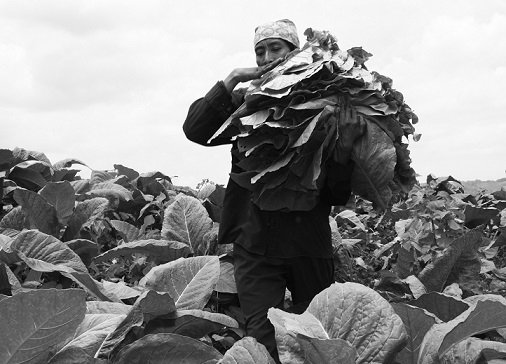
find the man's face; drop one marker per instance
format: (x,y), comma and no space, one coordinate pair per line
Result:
(269,50)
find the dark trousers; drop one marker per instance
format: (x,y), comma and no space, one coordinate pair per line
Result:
(261,284)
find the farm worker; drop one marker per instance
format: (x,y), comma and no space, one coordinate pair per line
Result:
(273,250)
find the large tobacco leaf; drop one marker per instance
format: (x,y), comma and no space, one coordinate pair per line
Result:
(85,213)
(417,322)
(148,305)
(31,174)
(40,213)
(160,251)
(110,190)
(45,253)
(61,196)
(347,311)
(130,173)
(122,335)
(7,256)
(9,283)
(362,317)
(458,257)
(15,219)
(474,351)
(94,287)
(105,307)
(444,307)
(186,220)
(191,323)
(21,154)
(6,159)
(81,185)
(86,249)
(189,281)
(160,348)
(33,322)
(247,351)
(206,190)
(486,313)
(226,282)
(127,231)
(326,350)
(375,159)
(98,177)
(87,338)
(120,290)
(68,162)
(153,304)
(475,216)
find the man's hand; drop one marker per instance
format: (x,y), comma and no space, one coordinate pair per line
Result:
(351,127)
(247,74)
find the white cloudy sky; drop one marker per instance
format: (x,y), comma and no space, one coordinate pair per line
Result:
(111,81)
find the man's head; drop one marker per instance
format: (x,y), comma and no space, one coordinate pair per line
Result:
(275,40)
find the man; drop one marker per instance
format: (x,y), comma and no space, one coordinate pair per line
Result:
(273,250)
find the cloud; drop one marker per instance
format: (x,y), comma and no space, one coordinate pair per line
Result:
(111,82)
(452,76)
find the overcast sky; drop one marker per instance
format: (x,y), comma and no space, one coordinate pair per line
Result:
(110,82)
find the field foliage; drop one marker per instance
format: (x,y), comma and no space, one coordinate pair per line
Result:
(124,267)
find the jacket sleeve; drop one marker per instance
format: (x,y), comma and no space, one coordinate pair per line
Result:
(208,113)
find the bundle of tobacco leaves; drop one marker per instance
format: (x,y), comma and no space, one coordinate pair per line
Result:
(287,128)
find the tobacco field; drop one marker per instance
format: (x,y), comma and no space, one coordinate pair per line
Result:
(124,267)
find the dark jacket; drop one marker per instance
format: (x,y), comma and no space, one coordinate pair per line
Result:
(270,233)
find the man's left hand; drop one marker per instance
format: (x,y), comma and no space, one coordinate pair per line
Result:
(351,126)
